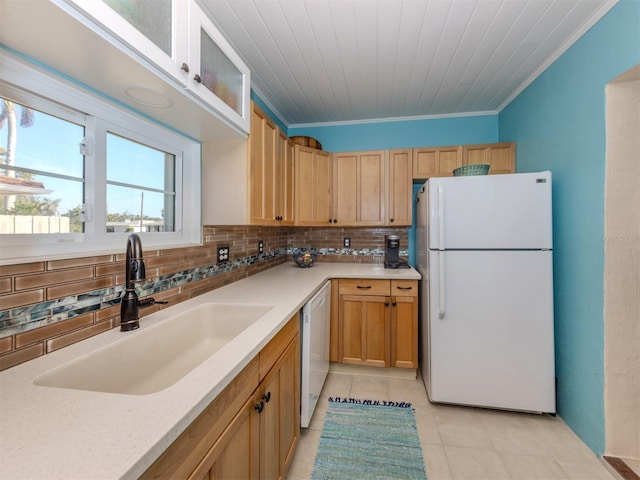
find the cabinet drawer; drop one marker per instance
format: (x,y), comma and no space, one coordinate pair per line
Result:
(357,286)
(404,288)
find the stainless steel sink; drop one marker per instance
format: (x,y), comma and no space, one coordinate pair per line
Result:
(155,358)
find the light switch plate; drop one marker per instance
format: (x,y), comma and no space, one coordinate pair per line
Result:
(346,241)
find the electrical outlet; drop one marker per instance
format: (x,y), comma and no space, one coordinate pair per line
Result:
(223,254)
(346,241)
(260,246)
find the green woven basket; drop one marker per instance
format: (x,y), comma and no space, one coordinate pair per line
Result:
(479,169)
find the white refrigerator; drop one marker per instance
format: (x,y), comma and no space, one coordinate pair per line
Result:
(484,249)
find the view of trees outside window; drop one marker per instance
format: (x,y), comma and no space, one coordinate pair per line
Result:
(42,178)
(41,172)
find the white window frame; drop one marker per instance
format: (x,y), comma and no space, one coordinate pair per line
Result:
(40,89)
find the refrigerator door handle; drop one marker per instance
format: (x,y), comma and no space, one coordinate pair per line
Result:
(441,307)
(440,218)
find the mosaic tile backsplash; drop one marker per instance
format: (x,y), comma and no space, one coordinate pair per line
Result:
(45,306)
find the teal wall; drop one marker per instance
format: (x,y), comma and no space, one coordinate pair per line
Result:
(403,134)
(558,123)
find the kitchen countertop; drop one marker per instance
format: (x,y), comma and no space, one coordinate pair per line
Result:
(48,433)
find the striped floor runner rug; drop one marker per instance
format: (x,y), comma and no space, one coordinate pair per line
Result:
(369,440)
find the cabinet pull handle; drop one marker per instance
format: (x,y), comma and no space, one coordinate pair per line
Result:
(364,287)
(259,407)
(197,78)
(266,397)
(185,68)
(404,288)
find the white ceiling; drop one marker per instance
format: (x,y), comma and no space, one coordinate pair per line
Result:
(319,61)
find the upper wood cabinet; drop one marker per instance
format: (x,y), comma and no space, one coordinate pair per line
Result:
(436,161)
(358,188)
(313,184)
(500,156)
(441,161)
(399,203)
(178,38)
(262,168)
(271,166)
(285,170)
(366,188)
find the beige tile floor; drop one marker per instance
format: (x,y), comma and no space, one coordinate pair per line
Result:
(464,443)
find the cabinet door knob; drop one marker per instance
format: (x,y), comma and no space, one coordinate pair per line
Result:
(391,220)
(197,78)
(259,407)
(185,68)
(393,304)
(266,397)
(386,304)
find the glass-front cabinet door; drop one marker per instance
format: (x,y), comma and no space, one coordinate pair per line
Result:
(219,75)
(179,40)
(155,29)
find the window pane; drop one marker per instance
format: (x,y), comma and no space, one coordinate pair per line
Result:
(140,187)
(41,172)
(152,18)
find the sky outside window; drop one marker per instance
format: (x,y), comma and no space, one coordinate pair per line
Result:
(48,148)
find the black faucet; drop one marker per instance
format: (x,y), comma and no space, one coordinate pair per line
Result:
(130,305)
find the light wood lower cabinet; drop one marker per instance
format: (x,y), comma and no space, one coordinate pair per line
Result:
(234,454)
(378,323)
(365,330)
(280,416)
(251,429)
(404,323)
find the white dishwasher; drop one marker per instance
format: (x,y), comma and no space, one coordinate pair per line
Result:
(314,351)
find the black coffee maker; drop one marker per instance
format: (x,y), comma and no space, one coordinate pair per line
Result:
(392,253)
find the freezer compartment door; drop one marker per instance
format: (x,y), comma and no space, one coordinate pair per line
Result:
(490,212)
(491,329)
